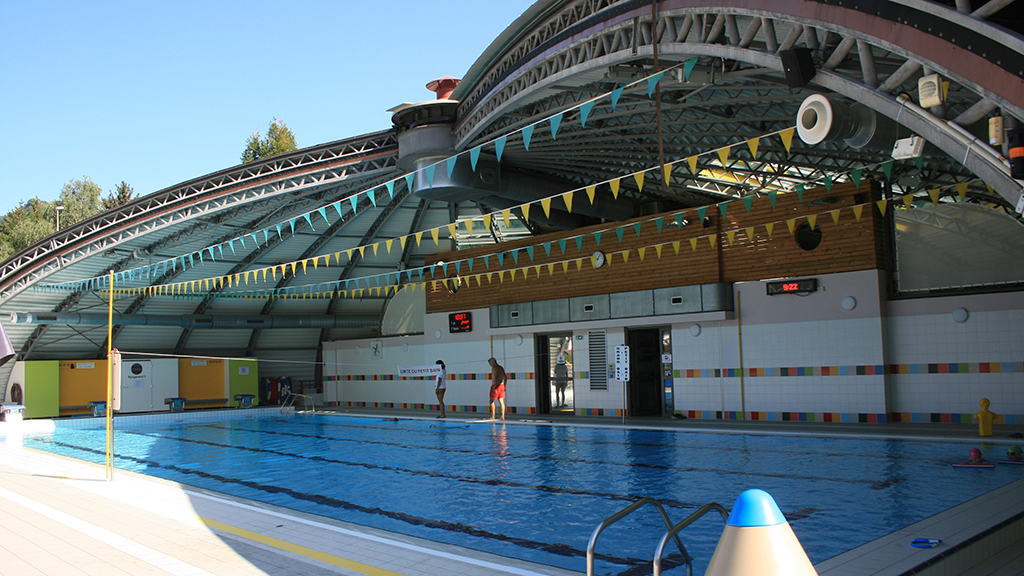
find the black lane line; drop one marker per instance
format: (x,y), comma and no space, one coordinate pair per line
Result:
(759,450)
(456,527)
(873,484)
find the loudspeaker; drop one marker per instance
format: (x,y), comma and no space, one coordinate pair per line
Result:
(798,66)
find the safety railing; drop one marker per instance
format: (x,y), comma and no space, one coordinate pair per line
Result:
(622,514)
(673,531)
(290,402)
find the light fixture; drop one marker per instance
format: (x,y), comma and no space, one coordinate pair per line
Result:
(849,303)
(960,315)
(694,330)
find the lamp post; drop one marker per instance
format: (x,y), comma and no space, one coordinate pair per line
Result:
(58,209)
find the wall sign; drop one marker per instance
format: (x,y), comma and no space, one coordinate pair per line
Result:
(792,286)
(460,322)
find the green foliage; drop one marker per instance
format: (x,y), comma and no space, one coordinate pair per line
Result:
(36,219)
(278,141)
(81,201)
(123,193)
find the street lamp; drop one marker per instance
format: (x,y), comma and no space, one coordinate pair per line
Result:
(58,209)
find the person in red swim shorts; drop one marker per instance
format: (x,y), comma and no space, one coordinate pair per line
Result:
(498,379)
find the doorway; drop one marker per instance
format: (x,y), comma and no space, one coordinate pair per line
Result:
(555,391)
(643,395)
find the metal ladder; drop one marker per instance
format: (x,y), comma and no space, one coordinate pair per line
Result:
(673,531)
(290,403)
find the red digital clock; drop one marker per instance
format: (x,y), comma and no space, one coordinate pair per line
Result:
(460,322)
(792,286)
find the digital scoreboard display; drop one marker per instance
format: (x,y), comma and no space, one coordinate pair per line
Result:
(460,322)
(792,286)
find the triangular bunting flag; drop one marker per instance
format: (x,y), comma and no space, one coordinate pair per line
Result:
(526,211)
(812,220)
(800,192)
(723,155)
(590,193)
(961,190)
(652,82)
(711,240)
(666,174)
(693,244)
(692,161)
(585,109)
(636,228)
(429,172)
(752,144)
(450,164)
(881,206)
(639,177)
(934,195)
(749,203)
(615,188)
(787,138)
(856,176)
(791,224)
(567,199)
(616,94)
(474,156)
(499,146)
(659,222)
(556,120)
(641,251)
(688,68)
(887,169)
(546,205)
(750,233)
(527,135)
(730,236)
(857,211)
(835,216)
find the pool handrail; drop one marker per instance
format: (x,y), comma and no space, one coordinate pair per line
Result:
(656,565)
(291,402)
(620,515)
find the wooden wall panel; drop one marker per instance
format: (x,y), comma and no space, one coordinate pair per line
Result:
(848,244)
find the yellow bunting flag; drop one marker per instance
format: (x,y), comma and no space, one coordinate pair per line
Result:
(536,270)
(452,230)
(512,274)
(349,253)
(401,241)
(667,173)
(711,240)
(567,198)
(246,276)
(387,244)
(730,236)
(615,188)
(812,220)
(857,211)
(787,137)
(375,245)
(639,177)
(835,216)
(489,274)
(419,236)
(478,280)
(526,212)
(675,246)
(881,206)
(750,233)
(591,190)
(501,276)
(293,268)
(434,234)
(304,266)
(657,250)
(551,269)
(625,256)
(692,161)
(693,244)
(565,267)
(641,251)
(593,262)
(961,190)
(791,224)
(934,195)
(505,214)
(723,155)
(362,251)
(546,205)
(908,200)
(579,264)
(752,144)
(487,222)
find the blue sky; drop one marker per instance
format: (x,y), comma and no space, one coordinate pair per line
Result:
(156,93)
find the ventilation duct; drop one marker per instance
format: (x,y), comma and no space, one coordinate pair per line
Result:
(822,119)
(199,321)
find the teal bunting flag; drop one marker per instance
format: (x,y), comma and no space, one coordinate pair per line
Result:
(659,223)
(279,235)
(499,146)
(474,156)
(828,184)
(561,245)
(887,169)
(619,231)
(855,175)
(679,219)
(529,252)
(354,200)
(597,238)
(800,192)
(547,248)
(191,262)
(337,208)
(309,221)
(409,180)
(773,197)
(616,94)
(652,82)
(515,256)
(450,164)
(501,259)
(702,214)
(470,262)
(527,135)
(585,111)
(212,257)
(242,240)
(290,223)
(487,261)
(636,226)
(723,206)
(429,171)
(391,189)
(919,162)
(688,68)
(556,120)
(579,243)
(749,203)
(458,267)
(444,269)
(323,214)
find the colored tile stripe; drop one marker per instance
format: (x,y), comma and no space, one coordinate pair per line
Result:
(483,376)
(865,370)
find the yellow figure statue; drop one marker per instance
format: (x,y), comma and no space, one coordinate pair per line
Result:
(985,419)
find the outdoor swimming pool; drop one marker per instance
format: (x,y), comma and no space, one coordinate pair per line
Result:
(537,492)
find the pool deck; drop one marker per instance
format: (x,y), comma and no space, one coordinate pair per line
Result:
(61,516)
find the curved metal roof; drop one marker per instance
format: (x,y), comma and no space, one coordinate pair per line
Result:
(580,94)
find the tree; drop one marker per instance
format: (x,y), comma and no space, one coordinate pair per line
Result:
(123,193)
(278,141)
(27,224)
(81,201)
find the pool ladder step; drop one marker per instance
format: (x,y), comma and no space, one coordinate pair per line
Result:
(672,533)
(290,402)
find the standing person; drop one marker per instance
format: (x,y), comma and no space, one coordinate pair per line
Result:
(439,386)
(498,379)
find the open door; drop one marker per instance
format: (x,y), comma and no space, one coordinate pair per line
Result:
(644,393)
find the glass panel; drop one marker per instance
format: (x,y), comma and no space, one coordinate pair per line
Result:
(561,371)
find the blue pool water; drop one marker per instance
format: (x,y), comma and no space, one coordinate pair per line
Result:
(537,492)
